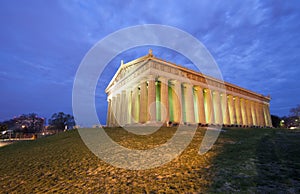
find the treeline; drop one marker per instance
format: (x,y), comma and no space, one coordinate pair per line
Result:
(32,123)
(291,121)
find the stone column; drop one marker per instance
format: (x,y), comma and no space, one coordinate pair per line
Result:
(257,114)
(261,109)
(225,109)
(188,103)
(118,110)
(217,108)
(238,110)
(249,114)
(243,111)
(177,106)
(129,104)
(269,115)
(113,116)
(151,99)
(108,113)
(135,105)
(164,96)
(200,104)
(209,110)
(231,107)
(143,102)
(253,113)
(123,108)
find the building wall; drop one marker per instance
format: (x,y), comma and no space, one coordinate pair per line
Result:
(155,91)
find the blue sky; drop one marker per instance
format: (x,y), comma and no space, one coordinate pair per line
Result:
(255,43)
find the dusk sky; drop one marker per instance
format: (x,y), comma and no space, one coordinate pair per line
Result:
(256,45)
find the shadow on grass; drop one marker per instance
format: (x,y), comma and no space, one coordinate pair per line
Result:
(278,164)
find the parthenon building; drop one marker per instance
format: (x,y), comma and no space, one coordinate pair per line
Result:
(149,90)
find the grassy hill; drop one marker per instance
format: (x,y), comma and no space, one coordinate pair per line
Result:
(248,160)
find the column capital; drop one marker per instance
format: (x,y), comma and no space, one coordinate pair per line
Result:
(163,80)
(198,87)
(150,77)
(187,84)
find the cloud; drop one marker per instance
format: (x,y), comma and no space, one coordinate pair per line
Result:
(255,44)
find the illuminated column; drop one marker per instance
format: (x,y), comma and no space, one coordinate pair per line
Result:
(253,113)
(176,97)
(217,107)
(261,108)
(143,102)
(268,115)
(188,103)
(249,113)
(258,118)
(129,103)
(231,109)
(164,96)
(113,116)
(123,108)
(225,109)
(209,111)
(108,113)
(243,111)
(135,105)
(200,104)
(118,111)
(151,99)
(238,110)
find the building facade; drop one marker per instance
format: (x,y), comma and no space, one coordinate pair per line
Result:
(151,91)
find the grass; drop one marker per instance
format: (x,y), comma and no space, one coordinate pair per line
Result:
(242,160)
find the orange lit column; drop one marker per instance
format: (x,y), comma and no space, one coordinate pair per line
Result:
(164,96)
(257,113)
(261,108)
(232,111)
(118,111)
(249,114)
(151,99)
(177,103)
(217,108)
(189,103)
(123,108)
(143,102)
(225,109)
(238,111)
(253,113)
(135,105)
(108,113)
(113,114)
(244,112)
(129,103)
(209,110)
(268,115)
(200,104)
